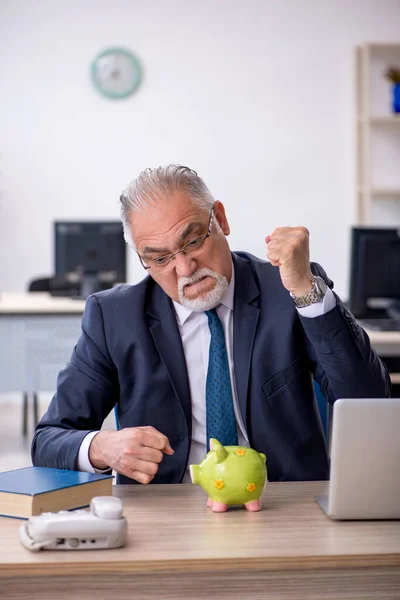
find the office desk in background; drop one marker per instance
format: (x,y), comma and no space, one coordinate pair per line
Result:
(177,548)
(38,333)
(387,346)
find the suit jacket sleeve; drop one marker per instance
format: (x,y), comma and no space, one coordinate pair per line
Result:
(87,390)
(343,361)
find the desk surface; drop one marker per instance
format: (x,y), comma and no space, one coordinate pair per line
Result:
(37,303)
(177,548)
(170,527)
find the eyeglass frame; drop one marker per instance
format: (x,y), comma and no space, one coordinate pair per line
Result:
(183,248)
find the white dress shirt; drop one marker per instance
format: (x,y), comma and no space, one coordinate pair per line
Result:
(195,335)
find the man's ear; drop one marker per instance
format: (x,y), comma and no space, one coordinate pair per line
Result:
(219,211)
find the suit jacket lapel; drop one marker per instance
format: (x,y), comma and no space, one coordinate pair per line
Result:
(245,318)
(166,336)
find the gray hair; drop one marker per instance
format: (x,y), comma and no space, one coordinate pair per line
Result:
(157,184)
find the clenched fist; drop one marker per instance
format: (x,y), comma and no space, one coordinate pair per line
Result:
(134,451)
(288,249)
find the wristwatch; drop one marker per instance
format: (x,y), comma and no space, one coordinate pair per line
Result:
(316,294)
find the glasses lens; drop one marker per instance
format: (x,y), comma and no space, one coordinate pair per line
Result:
(160,261)
(194,244)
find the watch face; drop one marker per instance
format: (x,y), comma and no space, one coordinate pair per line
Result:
(321,286)
(116,73)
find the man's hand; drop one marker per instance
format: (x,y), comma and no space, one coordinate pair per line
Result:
(134,451)
(288,249)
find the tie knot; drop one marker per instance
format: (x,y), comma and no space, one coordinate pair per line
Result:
(212,314)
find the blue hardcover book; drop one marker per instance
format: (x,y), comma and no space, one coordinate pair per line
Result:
(34,490)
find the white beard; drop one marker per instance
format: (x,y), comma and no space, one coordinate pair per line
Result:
(207,300)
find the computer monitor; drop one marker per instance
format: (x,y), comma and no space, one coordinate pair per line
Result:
(375,273)
(92,253)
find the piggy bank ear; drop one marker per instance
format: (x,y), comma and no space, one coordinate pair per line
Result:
(218,449)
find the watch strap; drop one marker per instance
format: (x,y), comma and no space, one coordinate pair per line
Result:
(316,294)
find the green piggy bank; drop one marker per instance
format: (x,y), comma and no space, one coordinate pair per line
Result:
(231,475)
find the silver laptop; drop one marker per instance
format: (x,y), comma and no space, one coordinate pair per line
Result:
(365,460)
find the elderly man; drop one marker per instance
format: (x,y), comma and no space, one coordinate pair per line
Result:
(212,343)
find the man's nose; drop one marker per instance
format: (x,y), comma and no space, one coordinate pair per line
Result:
(185,265)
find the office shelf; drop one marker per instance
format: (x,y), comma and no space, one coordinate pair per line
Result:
(377,136)
(382,192)
(381,120)
(389,192)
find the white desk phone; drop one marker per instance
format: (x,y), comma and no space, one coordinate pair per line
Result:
(103,526)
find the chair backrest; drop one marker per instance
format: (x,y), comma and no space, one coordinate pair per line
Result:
(323,407)
(40,285)
(116,417)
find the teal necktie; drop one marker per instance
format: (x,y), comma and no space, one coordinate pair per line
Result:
(220,419)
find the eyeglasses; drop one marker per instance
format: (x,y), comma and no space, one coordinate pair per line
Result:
(160,262)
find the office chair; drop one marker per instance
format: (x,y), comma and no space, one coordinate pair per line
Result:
(40,285)
(325,411)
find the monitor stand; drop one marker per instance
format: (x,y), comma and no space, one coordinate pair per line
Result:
(90,284)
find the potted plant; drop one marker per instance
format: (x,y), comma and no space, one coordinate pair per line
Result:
(393,74)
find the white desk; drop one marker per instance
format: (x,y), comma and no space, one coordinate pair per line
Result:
(39,303)
(38,333)
(386,343)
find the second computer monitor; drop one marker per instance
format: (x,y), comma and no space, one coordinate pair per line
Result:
(92,251)
(375,271)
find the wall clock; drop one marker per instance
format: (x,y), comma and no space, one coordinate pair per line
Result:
(116,73)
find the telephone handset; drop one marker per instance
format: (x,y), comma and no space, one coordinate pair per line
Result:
(103,526)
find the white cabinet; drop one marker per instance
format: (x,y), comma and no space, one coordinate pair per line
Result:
(377,137)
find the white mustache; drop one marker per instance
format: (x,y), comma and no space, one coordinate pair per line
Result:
(195,278)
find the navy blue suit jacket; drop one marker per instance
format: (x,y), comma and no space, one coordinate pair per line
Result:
(130,354)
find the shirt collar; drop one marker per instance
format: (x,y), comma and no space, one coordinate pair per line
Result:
(183,313)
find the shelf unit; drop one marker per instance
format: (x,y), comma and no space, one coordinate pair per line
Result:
(377,137)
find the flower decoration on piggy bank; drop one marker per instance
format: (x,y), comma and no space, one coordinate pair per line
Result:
(231,475)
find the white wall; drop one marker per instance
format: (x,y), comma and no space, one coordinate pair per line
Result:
(257,96)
